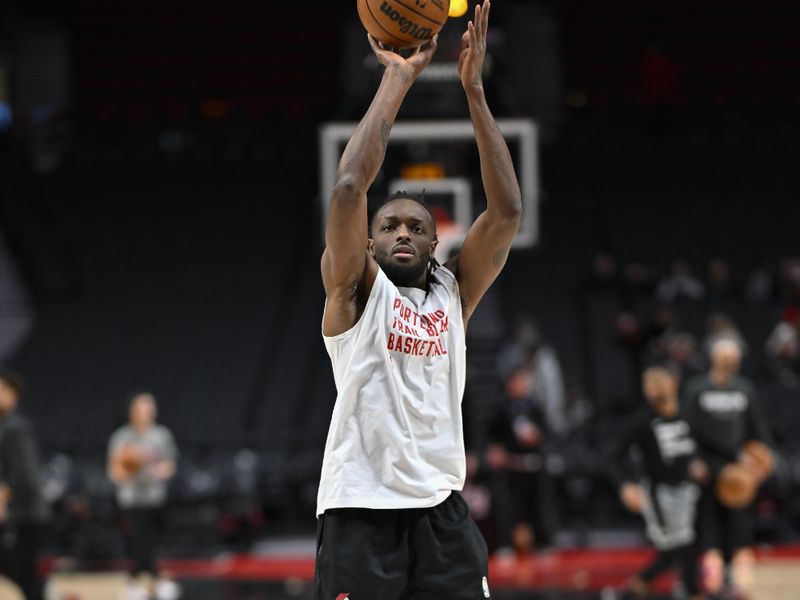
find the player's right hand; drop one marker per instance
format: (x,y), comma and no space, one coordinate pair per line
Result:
(5,498)
(632,496)
(409,67)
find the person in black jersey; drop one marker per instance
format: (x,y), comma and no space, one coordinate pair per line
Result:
(23,510)
(723,411)
(666,493)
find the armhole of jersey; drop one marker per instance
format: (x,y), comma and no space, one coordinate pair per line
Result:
(332,339)
(457,291)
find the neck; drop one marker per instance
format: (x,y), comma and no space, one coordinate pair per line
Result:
(670,411)
(420,282)
(720,377)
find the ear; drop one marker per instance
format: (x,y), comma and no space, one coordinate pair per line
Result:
(434,243)
(371,247)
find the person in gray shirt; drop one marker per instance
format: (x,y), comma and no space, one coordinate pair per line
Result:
(142,459)
(23,510)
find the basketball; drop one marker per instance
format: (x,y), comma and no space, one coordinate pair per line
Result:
(130,460)
(736,487)
(758,459)
(403,23)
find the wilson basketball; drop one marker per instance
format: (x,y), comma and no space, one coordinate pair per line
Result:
(130,460)
(403,23)
(736,487)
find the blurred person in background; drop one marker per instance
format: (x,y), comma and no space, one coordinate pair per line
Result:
(760,284)
(680,283)
(790,280)
(782,348)
(719,284)
(681,351)
(604,273)
(517,433)
(142,459)
(530,352)
(723,411)
(666,492)
(23,510)
(720,326)
(638,280)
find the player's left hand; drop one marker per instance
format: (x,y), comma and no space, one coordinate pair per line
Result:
(473,48)
(632,496)
(698,471)
(162,470)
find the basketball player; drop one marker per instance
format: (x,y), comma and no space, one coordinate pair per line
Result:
(723,411)
(392,524)
(23,510)
(142,492)
(667,492)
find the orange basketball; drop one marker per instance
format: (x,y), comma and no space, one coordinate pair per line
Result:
(130,459)
(403,23)
(736,487)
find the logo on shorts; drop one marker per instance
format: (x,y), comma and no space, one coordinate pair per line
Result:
(486,593)
(344,596)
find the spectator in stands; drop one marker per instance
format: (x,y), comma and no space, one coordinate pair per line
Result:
(579,408)
(638,279)
(141,460)
(517,434)
(720,285)
(790,280)
(663,324)
(760,285)
(723,412)
(23,510)
(681,283)
(604,275)
(531,353)
(719,326)
(682,354)
(655,341)
(783,348)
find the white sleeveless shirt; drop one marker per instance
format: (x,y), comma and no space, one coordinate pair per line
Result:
(396,438)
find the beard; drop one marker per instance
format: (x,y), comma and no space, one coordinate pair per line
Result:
(404,275)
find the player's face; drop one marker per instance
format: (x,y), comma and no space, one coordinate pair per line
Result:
(726,357)
(8,397)
(403,240)
(660,389)
(143,411)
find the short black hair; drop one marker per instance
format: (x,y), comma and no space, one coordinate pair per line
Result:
(13,380)
(136,395)
(403,195)
(662,365)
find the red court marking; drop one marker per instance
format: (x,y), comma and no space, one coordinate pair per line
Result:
(565,569)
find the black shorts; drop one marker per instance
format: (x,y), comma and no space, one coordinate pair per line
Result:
(406,554)
(723,528)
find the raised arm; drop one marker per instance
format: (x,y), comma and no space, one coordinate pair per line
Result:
(488,242)
(348,271)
